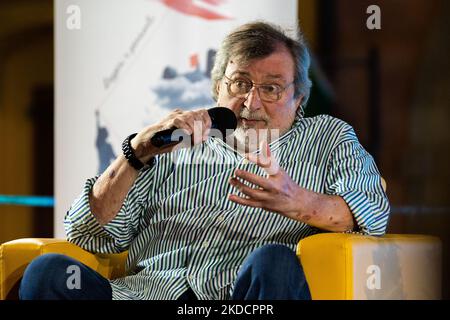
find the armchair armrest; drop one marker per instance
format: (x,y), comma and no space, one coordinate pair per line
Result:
(348,266)
(16,255)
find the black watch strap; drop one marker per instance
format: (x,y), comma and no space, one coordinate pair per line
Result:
(131,157)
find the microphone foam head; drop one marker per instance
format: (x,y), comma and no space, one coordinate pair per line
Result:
(223,119)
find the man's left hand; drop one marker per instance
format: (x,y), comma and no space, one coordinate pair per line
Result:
(277,192)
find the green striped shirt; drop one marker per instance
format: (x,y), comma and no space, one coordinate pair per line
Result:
(182,231)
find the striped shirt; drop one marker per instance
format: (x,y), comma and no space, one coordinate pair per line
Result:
(182,231)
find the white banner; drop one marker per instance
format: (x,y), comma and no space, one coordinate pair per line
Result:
(123,64)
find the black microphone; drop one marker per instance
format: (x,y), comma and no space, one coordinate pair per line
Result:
(222,119)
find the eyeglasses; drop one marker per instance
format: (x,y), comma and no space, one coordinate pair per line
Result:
(240,88)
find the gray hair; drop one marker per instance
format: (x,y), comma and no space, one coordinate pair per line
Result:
(256,40)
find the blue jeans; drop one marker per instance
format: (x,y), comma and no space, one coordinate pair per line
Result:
(270,272)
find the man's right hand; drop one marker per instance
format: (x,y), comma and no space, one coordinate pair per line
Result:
(111,188)
(196,123)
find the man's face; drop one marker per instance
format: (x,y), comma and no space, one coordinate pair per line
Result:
(265,119)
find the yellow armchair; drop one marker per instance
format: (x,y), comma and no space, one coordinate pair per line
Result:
(356,267)
(17,254)
(337,266)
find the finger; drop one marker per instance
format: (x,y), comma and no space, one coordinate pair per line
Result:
(257,160)
(254,178)
(273,168)
(244,202)
(207,124)
(173,114)
(256,194)
(187,121)
(202,125)
(183,131)
(182,124)
(265,160)
(198,128)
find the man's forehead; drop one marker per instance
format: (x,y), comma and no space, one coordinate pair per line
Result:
(277,65)
(270,72)
(241,72)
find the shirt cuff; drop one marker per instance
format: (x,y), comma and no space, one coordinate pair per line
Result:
(364,212)
(81,220)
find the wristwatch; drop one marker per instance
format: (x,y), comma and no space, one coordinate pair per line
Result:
(128,152)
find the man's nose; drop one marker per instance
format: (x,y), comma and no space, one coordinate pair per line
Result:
(253,100)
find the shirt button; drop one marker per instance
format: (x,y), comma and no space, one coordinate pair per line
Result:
(220,218)
(191,277)
(245,161)
(205,244)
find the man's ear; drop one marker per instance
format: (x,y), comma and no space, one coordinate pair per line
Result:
(298,101)
(218,87)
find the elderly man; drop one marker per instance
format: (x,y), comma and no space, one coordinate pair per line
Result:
(221,220)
